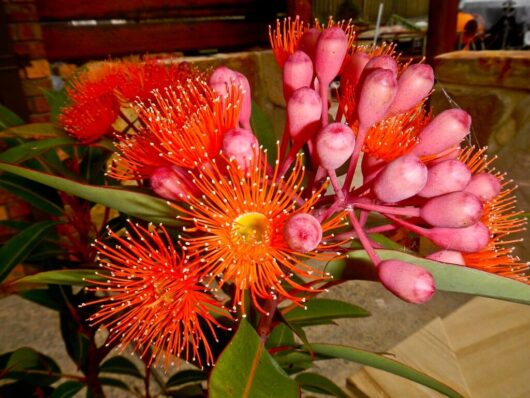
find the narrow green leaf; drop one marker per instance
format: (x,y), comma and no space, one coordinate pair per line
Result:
(57,99)
(9,118)
(30,192)
(32,130)
(20,246)
(280,336)
(29,150)
(68,389)
(323,310)
(186,376)
(317,383)
(190,391)
(136,204)
(245,369)
(75,277)
(120,365)
(262,128)
(383,363)
(451,278)
(109,381)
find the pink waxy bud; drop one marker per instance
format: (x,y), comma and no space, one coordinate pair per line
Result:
(303,114)
(330,51)
(447,256)
(485,186)
(246,102)
(241,145)
(353,69)
(452,210)
(377,93)
(382,62)
(409,282)
(444,177)
(414,84)
(308,42)
(172,183)
(469,239)
(334,144)
(297,73)
(302,232)
(443,132)
(401,179)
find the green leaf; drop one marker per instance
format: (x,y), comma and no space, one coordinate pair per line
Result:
(76,343)
(29,150)
(57,100)
(109,381)
(186,376)
(321,311)
(191,391)
(76,277)
(9,118)
(280,336)
(450,278)
(380,362)
(32,130)
(32,367)
(317,383)
(67,389)
(120,365)
(20,246)
(245,369)
(136,204)
(32,193)
(262,128)
(43,297)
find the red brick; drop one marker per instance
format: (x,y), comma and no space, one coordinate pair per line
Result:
(30,49)
(38,68)
(40,117)
(33,87)
(38,104)
(21,12)
(25,31)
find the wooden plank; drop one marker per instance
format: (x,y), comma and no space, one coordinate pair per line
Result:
(441,35)
(101,9)
(66,42)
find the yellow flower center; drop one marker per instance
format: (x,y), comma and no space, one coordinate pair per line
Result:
(251,229)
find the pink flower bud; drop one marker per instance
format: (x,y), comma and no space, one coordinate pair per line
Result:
(447,256)
(303,114)
(401,179)
(334,144)
(485,186)
(414,85)
(444,131)
(330,51)
(302,232)
(409,282)
(444,177)
(246,102)
(377,93)
(353,69)
(241,145)
(308,42)
(469,239)
(297,73)
(452,210)
(382,62)
(172,183)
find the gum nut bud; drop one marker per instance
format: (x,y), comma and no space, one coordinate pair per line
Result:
(308,42)
(452,210)
(377,93)
(222,79)
(409,282)
(401,179)
(330,51)
(172,183)
(353,69)
(304,109)
(246,103)
(447,256)
(469,239)
(485,186)
(241,145)
(334,145)
(302,232)
(443,132)
(448,176)
(383,62)
(297,73)
(414,84)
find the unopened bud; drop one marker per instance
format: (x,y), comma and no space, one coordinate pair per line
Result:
(330,51)
(297,73)
(172,183)
(241,145)
(452,210)
(308,42)
(443,132)
(401,179)
(382,62)
(353,69)
(407,281)
(447,256)
(334,144)
(246,103)
(303,114)
(485,186)
(444,177)
(414,84)
(302,232)
(377,93)
(469,239)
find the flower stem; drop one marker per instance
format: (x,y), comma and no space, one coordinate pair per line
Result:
(363,238)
